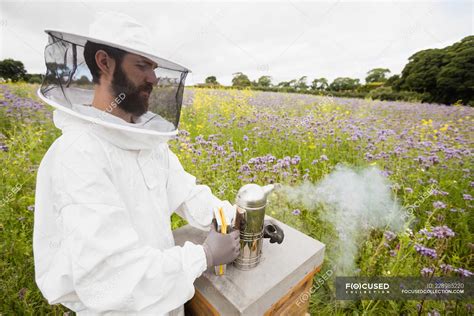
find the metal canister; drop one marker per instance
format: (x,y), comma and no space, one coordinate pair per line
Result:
(251,202)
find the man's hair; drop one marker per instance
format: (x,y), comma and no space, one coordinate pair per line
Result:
(91,48)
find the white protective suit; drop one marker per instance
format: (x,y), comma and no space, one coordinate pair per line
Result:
(102,234)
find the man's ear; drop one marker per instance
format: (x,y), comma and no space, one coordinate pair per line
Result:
(106,65)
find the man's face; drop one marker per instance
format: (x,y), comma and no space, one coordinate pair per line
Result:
(135,78)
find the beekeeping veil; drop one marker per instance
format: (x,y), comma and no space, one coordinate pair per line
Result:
(68,84)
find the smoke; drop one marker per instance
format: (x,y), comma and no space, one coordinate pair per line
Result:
(354,202)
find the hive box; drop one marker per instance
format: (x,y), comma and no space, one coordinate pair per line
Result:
(280,284)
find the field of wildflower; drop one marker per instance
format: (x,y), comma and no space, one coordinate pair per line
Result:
(229,137)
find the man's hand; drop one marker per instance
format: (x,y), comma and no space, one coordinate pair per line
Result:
(221,248)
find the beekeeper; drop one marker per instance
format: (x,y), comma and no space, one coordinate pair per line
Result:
(107,187)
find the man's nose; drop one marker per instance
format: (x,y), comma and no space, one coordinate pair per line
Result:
(152,78)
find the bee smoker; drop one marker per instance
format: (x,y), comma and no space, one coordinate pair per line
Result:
(251,201)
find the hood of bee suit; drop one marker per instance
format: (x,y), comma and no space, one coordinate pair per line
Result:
(70,86)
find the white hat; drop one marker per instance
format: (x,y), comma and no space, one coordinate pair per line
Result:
(120,31)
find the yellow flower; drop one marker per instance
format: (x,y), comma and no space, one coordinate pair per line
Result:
(373,163)
(425,122)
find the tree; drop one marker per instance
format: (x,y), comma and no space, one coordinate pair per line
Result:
(264,81)
(377,75)
(283,84)
(84,81)
(455,81)
(240,80)
(211,80)
(300,84)
(393,81)
(12,69)
(446,74)
(319,84)
(33,78)
(344,84)
(420,73)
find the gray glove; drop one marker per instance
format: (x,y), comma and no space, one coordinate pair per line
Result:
(221,248)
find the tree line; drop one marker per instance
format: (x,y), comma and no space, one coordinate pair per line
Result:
(444,75)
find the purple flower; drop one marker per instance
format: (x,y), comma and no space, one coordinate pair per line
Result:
(467,197)
(245,169)
(389,235)
(439,204)
(409,190)
(199,139)
(323,158)
(446,268)
(418,307)
(463,272)
(246,138)
(434,312)
(295,160)
(426,271)
(296,212)
(21,293)
(425,251)
(31,208)
(438,192)
(441,232)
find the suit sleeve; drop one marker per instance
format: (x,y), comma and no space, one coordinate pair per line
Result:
(193,202)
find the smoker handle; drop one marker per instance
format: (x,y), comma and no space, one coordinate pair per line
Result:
(273,231)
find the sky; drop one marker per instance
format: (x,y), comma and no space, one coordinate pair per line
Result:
(285,39)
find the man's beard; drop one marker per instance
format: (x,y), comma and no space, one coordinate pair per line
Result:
(134,102)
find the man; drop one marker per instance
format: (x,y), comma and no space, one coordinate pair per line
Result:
(106,188)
